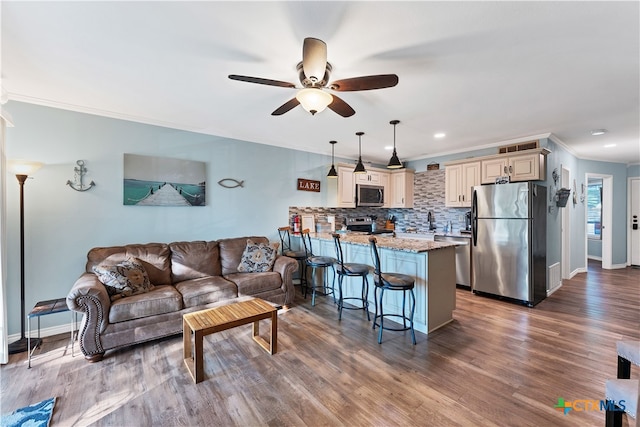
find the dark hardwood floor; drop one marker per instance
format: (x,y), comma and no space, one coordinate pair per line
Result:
(497,364)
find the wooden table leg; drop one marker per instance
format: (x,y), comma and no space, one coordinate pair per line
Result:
(274,332)
(198,357)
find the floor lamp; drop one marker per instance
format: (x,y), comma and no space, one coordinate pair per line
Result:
(22,169)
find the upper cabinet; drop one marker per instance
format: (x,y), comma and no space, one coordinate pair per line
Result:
(517,166)
(459,182)
(462,175)
(346,187)
(371,177)
(401,189)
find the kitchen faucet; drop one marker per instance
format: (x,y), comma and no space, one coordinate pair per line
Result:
(430,219)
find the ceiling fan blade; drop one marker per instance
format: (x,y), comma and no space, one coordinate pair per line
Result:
(261,81)
(290,104)
(379,81)
(314,59)
(341,107)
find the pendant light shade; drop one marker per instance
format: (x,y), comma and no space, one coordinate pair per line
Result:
(359,166)
(394,162)
(332,172)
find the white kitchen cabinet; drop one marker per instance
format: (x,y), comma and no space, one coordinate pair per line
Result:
(401,189)
(346,187)
(385,181)
(371,177)
(459,182)
(520,167)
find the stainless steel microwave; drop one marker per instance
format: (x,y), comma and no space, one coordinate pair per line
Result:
(369,195)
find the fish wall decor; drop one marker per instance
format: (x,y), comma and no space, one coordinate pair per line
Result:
(230,183)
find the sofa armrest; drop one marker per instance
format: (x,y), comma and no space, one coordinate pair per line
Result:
(286,267)
(90,297)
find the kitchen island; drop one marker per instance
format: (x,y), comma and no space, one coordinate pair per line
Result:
(432,264)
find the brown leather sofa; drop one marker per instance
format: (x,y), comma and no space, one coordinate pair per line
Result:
(187,276)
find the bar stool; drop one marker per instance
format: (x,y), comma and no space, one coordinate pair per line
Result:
(300,256)
(316,262)
(350,270)
(392,282)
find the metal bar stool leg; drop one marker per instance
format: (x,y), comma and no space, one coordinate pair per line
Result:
(413,310)
(381,317)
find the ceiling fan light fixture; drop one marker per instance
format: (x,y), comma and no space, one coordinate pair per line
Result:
(332,172)
(394,161)
(314,100)
(359,166)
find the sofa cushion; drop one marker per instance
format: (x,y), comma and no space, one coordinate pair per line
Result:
(124,279)
(193,260)
(258,257)
(154,256)
(231,252)
(162,299)
(255,283)
(206,290)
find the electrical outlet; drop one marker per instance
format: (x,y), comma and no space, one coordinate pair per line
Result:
(460,218)
(406,217)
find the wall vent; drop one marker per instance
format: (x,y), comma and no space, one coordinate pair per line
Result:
(528,145)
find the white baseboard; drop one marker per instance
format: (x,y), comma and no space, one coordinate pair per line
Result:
(577,271)
(46,332)
(551,291)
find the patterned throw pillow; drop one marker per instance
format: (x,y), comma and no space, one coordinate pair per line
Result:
(258,257)
(124,279)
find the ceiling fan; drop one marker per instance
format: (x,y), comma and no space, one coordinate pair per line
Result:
(314,72)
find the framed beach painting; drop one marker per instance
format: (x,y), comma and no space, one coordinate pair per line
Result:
(161,181)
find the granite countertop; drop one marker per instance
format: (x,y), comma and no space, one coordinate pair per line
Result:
(387,242)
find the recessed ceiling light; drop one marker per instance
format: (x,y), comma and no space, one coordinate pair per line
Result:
(597,132)
(388,147)
(439,135)
(609,145)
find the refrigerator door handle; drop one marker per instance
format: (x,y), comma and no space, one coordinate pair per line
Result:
(474,218)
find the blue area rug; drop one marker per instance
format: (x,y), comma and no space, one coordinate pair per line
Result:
(37,415)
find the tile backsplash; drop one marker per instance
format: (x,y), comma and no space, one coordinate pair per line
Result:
(429,188)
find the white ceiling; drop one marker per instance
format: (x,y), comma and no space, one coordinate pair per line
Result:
(482,72)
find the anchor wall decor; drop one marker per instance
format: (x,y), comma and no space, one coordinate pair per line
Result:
(80,171)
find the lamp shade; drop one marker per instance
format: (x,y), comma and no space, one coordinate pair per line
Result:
(394,162)
(24,167)
(314,100)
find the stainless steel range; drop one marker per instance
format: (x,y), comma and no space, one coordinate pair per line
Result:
(364,224)
(360,223)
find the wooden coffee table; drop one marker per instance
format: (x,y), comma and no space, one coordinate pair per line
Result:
(205,322)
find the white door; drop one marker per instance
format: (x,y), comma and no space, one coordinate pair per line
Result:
(634,220)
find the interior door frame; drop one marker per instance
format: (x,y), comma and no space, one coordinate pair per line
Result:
(565,239)
(607,220)
(629,212)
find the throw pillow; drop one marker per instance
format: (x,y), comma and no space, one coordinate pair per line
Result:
(124,279)
(258,257)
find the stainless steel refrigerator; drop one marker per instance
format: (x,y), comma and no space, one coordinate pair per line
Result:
(509,229)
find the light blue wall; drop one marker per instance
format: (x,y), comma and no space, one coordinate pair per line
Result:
(594,248)
(61,225)
(633,171)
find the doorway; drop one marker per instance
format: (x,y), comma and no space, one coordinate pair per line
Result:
(633,244)
(565,230)
(602,227)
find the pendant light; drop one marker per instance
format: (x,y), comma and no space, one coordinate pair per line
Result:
(332,172)
(359,167)
(394,162)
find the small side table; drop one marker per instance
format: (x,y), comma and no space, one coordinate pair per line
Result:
(42,308)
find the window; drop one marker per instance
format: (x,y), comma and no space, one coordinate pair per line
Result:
(594,209)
